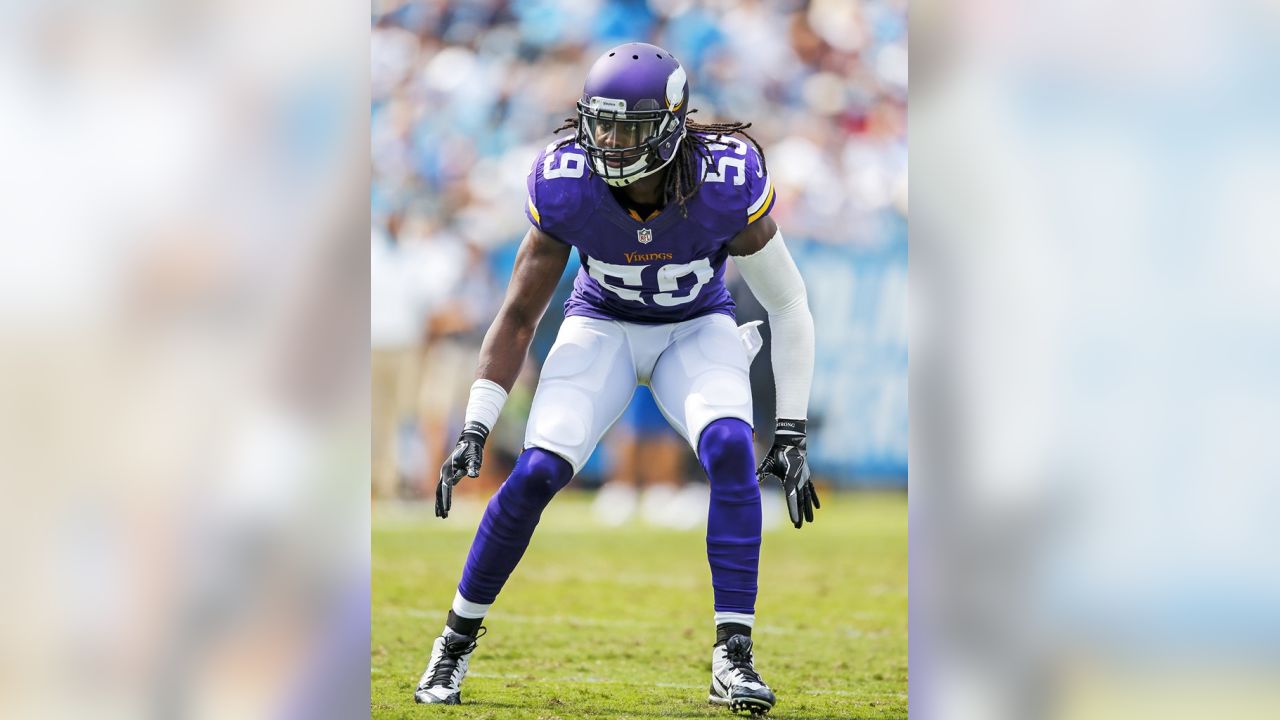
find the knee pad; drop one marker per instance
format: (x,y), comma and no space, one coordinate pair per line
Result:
(537,477)
(727,452)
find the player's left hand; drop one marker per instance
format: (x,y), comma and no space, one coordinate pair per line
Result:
(787,463)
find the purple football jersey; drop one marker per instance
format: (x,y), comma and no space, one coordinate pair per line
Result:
(667,268)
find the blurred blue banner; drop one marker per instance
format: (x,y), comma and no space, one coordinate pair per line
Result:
(858,411)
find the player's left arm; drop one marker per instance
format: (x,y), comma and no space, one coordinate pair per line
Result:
(771,273)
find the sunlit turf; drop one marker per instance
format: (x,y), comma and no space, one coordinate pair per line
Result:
(616,623)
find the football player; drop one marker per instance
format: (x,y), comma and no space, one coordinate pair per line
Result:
(653,204)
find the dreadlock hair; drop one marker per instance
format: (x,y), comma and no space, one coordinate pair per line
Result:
(687,168)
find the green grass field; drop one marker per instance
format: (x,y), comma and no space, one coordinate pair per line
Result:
(605,623)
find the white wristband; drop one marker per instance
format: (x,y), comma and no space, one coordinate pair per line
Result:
(485,403)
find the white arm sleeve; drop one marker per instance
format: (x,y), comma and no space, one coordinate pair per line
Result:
(774,279)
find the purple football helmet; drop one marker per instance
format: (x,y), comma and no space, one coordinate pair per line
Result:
(631,117)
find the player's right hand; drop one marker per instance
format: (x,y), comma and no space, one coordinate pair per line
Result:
(464,460)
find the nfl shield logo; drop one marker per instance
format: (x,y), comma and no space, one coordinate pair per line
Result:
(644,235)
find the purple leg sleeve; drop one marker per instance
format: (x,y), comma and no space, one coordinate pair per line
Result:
(733,523)
(509,521)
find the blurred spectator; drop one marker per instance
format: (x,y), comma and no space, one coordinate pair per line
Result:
(453,335)
(410,275)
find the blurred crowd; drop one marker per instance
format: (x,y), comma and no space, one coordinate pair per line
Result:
(465,93)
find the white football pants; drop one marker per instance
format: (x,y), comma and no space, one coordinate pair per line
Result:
(697,370)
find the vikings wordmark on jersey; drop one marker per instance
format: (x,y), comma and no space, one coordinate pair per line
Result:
(680,273)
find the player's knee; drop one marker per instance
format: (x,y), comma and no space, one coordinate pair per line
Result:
(538,476)
(727,453)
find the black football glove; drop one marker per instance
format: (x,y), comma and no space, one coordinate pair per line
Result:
(786,463)
(465,459)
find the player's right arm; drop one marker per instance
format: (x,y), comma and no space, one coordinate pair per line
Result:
(539,264)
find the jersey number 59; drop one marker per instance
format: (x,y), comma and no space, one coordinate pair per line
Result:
(631,278)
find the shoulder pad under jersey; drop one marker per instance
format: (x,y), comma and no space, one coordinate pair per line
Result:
(559,185)
(735,182)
